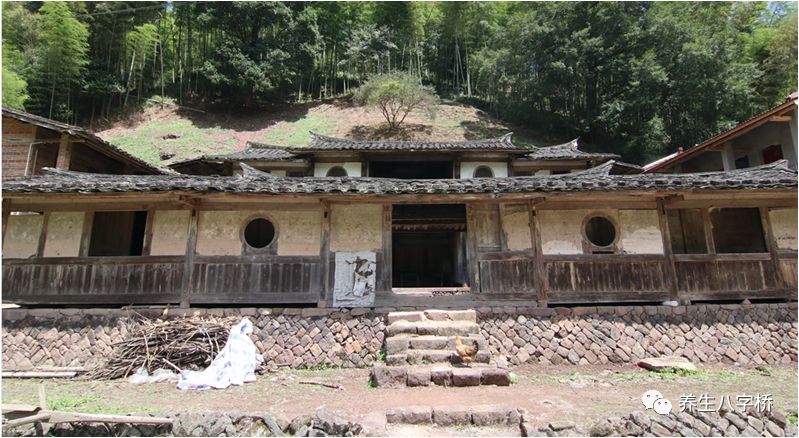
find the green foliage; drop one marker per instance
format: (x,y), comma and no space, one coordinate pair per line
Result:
(637,78)
(396,95)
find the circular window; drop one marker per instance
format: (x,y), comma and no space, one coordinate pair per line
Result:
(600,231)
(337,171)
(483,172)
(259,233)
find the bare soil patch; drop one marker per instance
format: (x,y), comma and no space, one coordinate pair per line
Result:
(549,393)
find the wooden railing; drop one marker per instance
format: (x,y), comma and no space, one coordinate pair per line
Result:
(727,276)
(91,280)
(605,278)
(161,279)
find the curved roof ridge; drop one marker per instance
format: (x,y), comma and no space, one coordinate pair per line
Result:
(325,142)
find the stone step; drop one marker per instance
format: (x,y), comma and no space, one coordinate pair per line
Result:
(418,357)
(403,342)
(433,315)
(442,375)
(435,328)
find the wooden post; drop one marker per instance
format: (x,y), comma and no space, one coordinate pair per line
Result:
(6,215)
(43,235)
(541,282)
(771,245)
(86,234)
(388,248)
(188,270)
(670,269)
(324,253)
(709,240)
(503,236)
(472,254)
(64,153)
(148,233)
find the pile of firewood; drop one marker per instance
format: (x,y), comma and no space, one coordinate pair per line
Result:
(178,344)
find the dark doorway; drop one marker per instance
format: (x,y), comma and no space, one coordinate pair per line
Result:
(117,233)
(429,246)
(411,169)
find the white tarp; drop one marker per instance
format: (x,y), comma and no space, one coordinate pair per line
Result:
(234,365)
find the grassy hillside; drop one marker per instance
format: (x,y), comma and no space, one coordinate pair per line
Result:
(164,132)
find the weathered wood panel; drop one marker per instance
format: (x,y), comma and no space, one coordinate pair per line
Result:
(789,272)
(610,278)
(263,280)
(727,278)
(124,280)
(511,276)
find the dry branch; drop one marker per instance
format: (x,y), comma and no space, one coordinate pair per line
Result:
(186,343)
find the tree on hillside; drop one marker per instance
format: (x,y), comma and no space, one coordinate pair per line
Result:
(396,94)
(63,56)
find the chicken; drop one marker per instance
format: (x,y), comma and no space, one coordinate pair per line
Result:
(467,353)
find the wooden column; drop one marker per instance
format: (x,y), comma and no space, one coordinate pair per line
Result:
(43,235)
(771,245)
(6,214)
(188,270)
(471,250)
(709,240)
(386,270)
(64,153)
(86,234)
(669,268)
(541,281)
(503,237)
(324,254)
(148,233)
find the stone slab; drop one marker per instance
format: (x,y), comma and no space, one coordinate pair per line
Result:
(466,377)
(666,362)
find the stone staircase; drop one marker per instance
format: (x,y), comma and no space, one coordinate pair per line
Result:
(420,351)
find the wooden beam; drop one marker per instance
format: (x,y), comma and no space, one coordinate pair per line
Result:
(780,119)
(148,232)
(665,233)
(6,214)
(503,236)
(471,250)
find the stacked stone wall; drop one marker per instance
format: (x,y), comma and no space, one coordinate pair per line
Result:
(308,338)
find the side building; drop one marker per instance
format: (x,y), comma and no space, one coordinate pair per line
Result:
(360,223)
(32,143)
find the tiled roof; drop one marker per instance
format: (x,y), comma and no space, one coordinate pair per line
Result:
(773,176)
(77,131)
(253,152)
(324,143)
(566,151)
(739,129)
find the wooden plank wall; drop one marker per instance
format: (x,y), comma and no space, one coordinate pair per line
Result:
(126,280)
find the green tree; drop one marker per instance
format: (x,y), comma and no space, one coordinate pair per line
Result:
(396,94)
(63,55)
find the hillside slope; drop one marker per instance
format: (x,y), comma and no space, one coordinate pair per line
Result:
(162,135)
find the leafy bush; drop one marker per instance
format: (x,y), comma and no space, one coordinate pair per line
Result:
(396,94)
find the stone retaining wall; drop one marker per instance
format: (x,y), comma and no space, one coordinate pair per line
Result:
(743,334)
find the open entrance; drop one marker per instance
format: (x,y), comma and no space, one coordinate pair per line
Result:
(429,246)
(411,169)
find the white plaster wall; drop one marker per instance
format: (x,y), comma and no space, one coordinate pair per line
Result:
(22,236)
(353,168)
(356,227)
(64,232)
(468,167)
(516,225)
(560,231)
(640,232)
(170,232)
(298,232)
(783,224)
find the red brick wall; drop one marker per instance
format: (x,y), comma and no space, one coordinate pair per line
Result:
(17,137)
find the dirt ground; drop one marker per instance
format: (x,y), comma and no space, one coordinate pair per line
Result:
(578,395)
